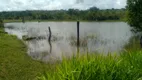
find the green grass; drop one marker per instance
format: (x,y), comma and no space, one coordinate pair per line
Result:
(133,44)
(1,30)
(10,21)
(15,64)
(126,66)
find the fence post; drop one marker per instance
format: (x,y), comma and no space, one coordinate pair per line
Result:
(49,39)
(23,19)
(78,43)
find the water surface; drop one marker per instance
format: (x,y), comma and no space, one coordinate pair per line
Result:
(94,37)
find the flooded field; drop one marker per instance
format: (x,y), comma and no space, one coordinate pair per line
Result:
(94,37)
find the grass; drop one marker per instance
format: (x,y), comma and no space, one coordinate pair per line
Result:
(15,64)
(126,66)
(1,30)
(10,21)
(133,44)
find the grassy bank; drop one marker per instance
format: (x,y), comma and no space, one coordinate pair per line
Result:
(15,64)
(126,66)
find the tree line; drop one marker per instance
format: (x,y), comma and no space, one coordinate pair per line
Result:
(91,14)
(134,14)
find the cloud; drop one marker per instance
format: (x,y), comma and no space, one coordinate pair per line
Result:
(10,5)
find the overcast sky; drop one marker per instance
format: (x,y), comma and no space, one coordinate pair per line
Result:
(10,5)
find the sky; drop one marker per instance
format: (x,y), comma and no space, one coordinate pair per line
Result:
(17,5)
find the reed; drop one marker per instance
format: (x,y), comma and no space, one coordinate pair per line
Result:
(125,66)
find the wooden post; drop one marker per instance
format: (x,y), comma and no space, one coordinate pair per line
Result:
(78,43)
(49,39)
(23,19)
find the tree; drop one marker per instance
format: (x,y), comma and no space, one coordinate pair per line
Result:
(92,14)
(134,14)
(93,8)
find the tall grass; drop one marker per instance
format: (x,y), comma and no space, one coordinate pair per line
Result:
(126,66)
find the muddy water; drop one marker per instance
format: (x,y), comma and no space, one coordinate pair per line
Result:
(94,37)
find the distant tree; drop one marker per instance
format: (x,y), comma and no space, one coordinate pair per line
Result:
(134,14)
(93,8)
(92,14)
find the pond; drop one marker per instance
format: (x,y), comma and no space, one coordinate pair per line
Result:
(96,37)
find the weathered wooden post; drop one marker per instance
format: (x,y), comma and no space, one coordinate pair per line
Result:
(78,43)
(49,39)
(23,19)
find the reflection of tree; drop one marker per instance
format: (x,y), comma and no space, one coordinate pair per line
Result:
(83,40)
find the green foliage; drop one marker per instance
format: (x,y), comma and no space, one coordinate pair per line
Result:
(127,66)
(1,23)
(134,8)
(92,14)
(133,44)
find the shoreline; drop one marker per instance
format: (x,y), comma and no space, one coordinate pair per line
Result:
(15,63)
(12,21)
